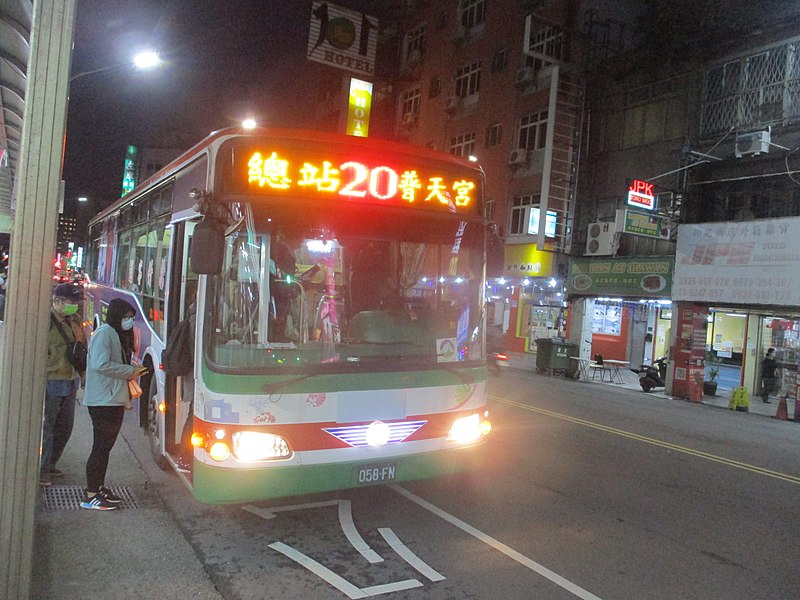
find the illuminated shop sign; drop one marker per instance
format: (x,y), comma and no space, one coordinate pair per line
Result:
(358,106)
(640,193)
(293,173)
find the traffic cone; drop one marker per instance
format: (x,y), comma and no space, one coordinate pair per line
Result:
(782,413)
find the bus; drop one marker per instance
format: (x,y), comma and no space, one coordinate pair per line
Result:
(335,289)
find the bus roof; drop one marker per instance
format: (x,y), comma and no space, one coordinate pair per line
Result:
(321,137)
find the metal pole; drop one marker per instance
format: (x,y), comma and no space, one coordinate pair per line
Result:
(23,363)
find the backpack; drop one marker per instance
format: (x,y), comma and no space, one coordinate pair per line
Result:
(178,357)
(76,351)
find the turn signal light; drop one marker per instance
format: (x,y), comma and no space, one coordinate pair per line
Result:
(197,440)
(162,407)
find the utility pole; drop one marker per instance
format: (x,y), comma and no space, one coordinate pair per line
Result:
(23,365)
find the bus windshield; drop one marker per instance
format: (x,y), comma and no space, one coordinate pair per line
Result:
(342,290)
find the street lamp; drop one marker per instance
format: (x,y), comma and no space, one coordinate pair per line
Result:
(142,61)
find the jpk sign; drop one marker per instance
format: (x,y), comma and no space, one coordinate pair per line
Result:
(342,38)
(640,193)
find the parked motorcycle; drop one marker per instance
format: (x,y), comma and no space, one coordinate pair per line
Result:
(653,376)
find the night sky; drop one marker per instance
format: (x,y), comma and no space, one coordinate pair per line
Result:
(226,60)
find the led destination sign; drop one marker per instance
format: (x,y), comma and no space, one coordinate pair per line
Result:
(294,173)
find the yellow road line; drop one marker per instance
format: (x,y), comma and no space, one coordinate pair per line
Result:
(654,442)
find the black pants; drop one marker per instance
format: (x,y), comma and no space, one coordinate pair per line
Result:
(106,423)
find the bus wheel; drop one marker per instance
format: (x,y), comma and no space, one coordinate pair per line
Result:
(152,425)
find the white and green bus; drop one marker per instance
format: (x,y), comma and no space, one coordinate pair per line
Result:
(338,286)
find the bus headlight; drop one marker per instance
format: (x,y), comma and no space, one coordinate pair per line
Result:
(469,429)
(254,446)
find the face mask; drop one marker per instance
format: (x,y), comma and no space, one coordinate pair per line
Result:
(127,324)
(70,309)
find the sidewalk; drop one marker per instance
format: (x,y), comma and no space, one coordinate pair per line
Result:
(137,551)
(525,361)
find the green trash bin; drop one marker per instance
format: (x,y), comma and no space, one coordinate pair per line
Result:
(553,354)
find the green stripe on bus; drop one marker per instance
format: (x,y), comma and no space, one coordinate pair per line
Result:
(300,384)
(216,485)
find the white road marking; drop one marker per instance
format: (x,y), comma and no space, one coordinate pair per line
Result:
(349,528)
(387,588)
(269,513)
(407,555)
(340,583)
(497,545)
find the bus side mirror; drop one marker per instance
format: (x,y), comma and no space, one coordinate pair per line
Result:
(208,247)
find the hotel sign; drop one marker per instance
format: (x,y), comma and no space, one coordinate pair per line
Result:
(342,38)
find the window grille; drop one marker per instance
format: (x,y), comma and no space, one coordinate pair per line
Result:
(547,40)
(757,90)
(472,13)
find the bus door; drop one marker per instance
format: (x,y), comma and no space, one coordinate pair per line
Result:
(183,302)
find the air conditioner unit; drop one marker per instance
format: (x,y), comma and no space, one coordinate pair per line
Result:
(518,156)
(525,76)
(544,76)
(452,103)
(600,239)
(409,118)
(754,142)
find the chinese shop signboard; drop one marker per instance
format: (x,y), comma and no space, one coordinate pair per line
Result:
(626,277)
(752,262)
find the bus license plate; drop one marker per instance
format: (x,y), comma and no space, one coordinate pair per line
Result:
(373,474)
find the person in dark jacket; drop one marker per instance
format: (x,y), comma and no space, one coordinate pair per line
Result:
(769,375)
(63,379)
(109,367)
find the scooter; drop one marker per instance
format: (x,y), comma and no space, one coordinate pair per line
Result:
(653,376)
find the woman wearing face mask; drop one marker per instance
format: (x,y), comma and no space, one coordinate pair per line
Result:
(109,367)
(63,380)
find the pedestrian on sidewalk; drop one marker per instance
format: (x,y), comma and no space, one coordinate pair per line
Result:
(110,365)
(769,375)
(63,378)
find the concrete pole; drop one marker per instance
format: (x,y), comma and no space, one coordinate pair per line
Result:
(23,364)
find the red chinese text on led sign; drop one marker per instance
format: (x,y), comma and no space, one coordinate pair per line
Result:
(353,180)
(640,193)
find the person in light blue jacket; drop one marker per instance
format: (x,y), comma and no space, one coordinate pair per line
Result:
(109,367)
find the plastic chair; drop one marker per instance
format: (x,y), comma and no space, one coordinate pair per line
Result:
(600,366)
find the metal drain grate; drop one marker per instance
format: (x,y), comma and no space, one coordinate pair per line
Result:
(68,497)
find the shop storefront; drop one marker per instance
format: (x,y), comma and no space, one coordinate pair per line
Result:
(738,290)
(528,301)
(620,308)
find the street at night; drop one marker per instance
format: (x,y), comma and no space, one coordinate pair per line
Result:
(587,491)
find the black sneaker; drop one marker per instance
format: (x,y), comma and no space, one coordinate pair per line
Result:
(98,502)
(108,495)
(56,472)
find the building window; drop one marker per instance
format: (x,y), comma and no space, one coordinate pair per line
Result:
(468,79)
(472,13)
(435,88)
(524,217)
(415,45)
(532,131)
(500,60)
(547,40)
(463,145)
(494,134)
(520,213)
(409,104)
